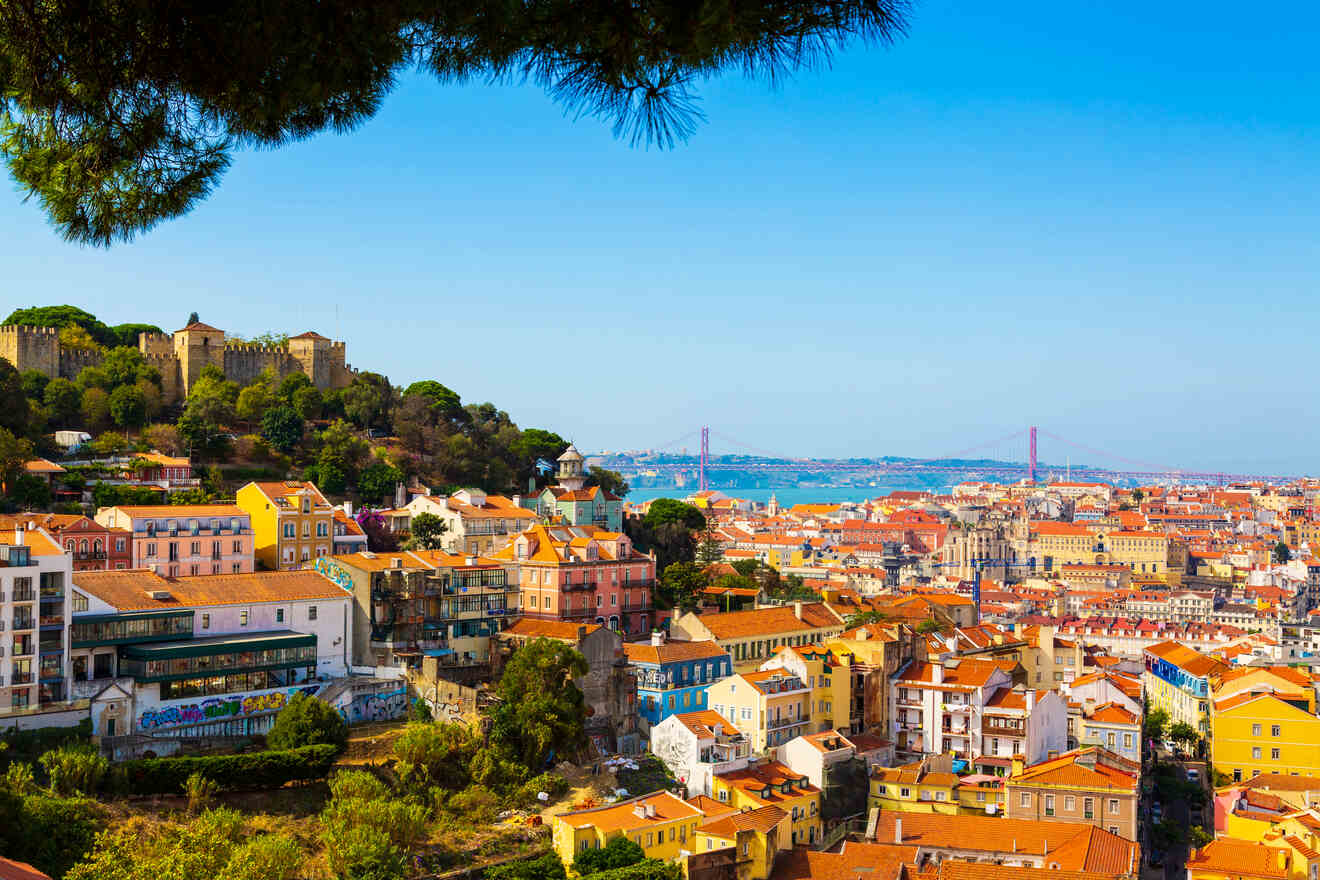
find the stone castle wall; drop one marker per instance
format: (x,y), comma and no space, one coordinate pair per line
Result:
(180,358)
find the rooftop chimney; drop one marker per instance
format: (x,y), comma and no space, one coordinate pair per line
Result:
(18,536)
(657,638)
(797,610)
(898,830)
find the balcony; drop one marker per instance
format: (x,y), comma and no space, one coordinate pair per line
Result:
(88,556)
(51,620)
(21,678)
(777,723)
(990,728)
(22,623)
(574,588)
(957,708)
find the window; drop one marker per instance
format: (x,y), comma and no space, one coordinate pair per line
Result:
(1025,799)
(279,615)
(1275,730)
(195,548)
(242,618)
(1088,808)
(1255,730)
(311,612)
(1049,805)
(1127,740)
(1274,754)
(206,621)
(547,601)
(905,792)
(1113,805)
(1255,752)
(1070,803)
(79,602)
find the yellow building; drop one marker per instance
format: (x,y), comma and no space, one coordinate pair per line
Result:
(756,837)
(292,522)
(1057,544)
(773,784)
(1177,680)
(770,707)
(828,677)
(1228,858)
(1252,734)
(926,786)
(662,824)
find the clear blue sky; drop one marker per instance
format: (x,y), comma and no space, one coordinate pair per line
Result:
(1092,216)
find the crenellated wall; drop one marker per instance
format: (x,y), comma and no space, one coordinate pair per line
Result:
(32,348)
(181,356)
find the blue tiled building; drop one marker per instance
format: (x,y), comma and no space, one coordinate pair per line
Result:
(672,676)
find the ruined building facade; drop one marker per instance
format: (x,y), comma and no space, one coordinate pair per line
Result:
(182,355)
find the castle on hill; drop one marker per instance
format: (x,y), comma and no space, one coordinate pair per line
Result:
(182,355)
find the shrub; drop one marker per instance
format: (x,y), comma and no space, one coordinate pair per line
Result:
(31,743)
(618,853)
(547,867)
(434,754)
(362,853)
(74,769)
(646,869)
(350,784)
(271,769)
(199,790)
(50,833)
(551,783)
(20,779)
(268,857)
(308,721)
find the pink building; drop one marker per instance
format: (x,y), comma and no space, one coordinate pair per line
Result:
(181,540)
(582,574)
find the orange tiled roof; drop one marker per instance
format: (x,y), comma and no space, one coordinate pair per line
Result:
(672,652)
(129,590)
(856,861)
(563,630)
(761,820)
(768,621)
(1239,858)
(623,817)
(703,723)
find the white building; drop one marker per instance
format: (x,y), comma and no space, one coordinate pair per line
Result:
(696,746)
(214,654)
(34,611)
(811,755)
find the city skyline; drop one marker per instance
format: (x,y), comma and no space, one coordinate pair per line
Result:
(1072,218)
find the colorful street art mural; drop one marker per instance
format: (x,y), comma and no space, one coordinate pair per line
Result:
(386,706)
(220,708)
(336,572)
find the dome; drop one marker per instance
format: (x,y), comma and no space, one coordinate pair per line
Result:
(570,454)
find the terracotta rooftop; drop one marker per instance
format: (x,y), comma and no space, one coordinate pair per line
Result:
(672,652)
(130,590)
(760,820)
(563,630)
(1239,858)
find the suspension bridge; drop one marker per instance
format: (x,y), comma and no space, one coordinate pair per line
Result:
(995,458)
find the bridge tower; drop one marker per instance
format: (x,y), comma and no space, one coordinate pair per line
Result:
(705,456)
(1031,455)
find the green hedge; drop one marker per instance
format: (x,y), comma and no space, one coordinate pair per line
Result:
(28,745)
(270,769)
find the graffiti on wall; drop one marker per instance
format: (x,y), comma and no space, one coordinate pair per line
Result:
(336,572)
(388,706)
(219,708)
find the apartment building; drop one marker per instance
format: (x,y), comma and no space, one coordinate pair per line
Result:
(662,824)
(672,676)
(938,707)
(34,611)
(582,574)
(184,540)
(408,604)
(877,652)
(752,637)
(697,746)
(1022,721)
(769,707)
(1177,680)
(774,784)
(1263,721)
(475,523)
(292,523)
(828,676)
(92,546)
(573,502)
(1112,726)
(1091,786)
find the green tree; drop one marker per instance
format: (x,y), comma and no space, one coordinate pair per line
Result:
(681,584)
(1156,725)
(13,400)
(1282,553)
(62,316)
(128,406)
(95,409)
(618,853)
(163,438)
(1182,732)
(1137,495)
(929,626)
(74,769)
(611,481)
(540,709)
(212,398)
(125,365)
(121,117)
(15,451)
(865,618)
(290,385)
(64,401)
(440,399)
(377,481)
(547,867)
(49,833)
(127,334)
(253,402)
(710,550)
(341,456)
(308,402)
(307,721)
(34,383)
(282,427)
(30,492)
(428,531)
(367,400)
(670,510)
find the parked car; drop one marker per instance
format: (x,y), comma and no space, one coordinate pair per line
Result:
(1193,775)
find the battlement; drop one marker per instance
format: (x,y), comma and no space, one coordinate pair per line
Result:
(28,330)
(255,347)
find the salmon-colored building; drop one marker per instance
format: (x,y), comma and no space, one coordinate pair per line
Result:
(183,540)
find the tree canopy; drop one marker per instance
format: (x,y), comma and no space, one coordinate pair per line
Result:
(117,116)
(541,710)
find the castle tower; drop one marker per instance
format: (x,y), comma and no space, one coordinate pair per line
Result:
(313,351)
(570,475)
(197,346)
